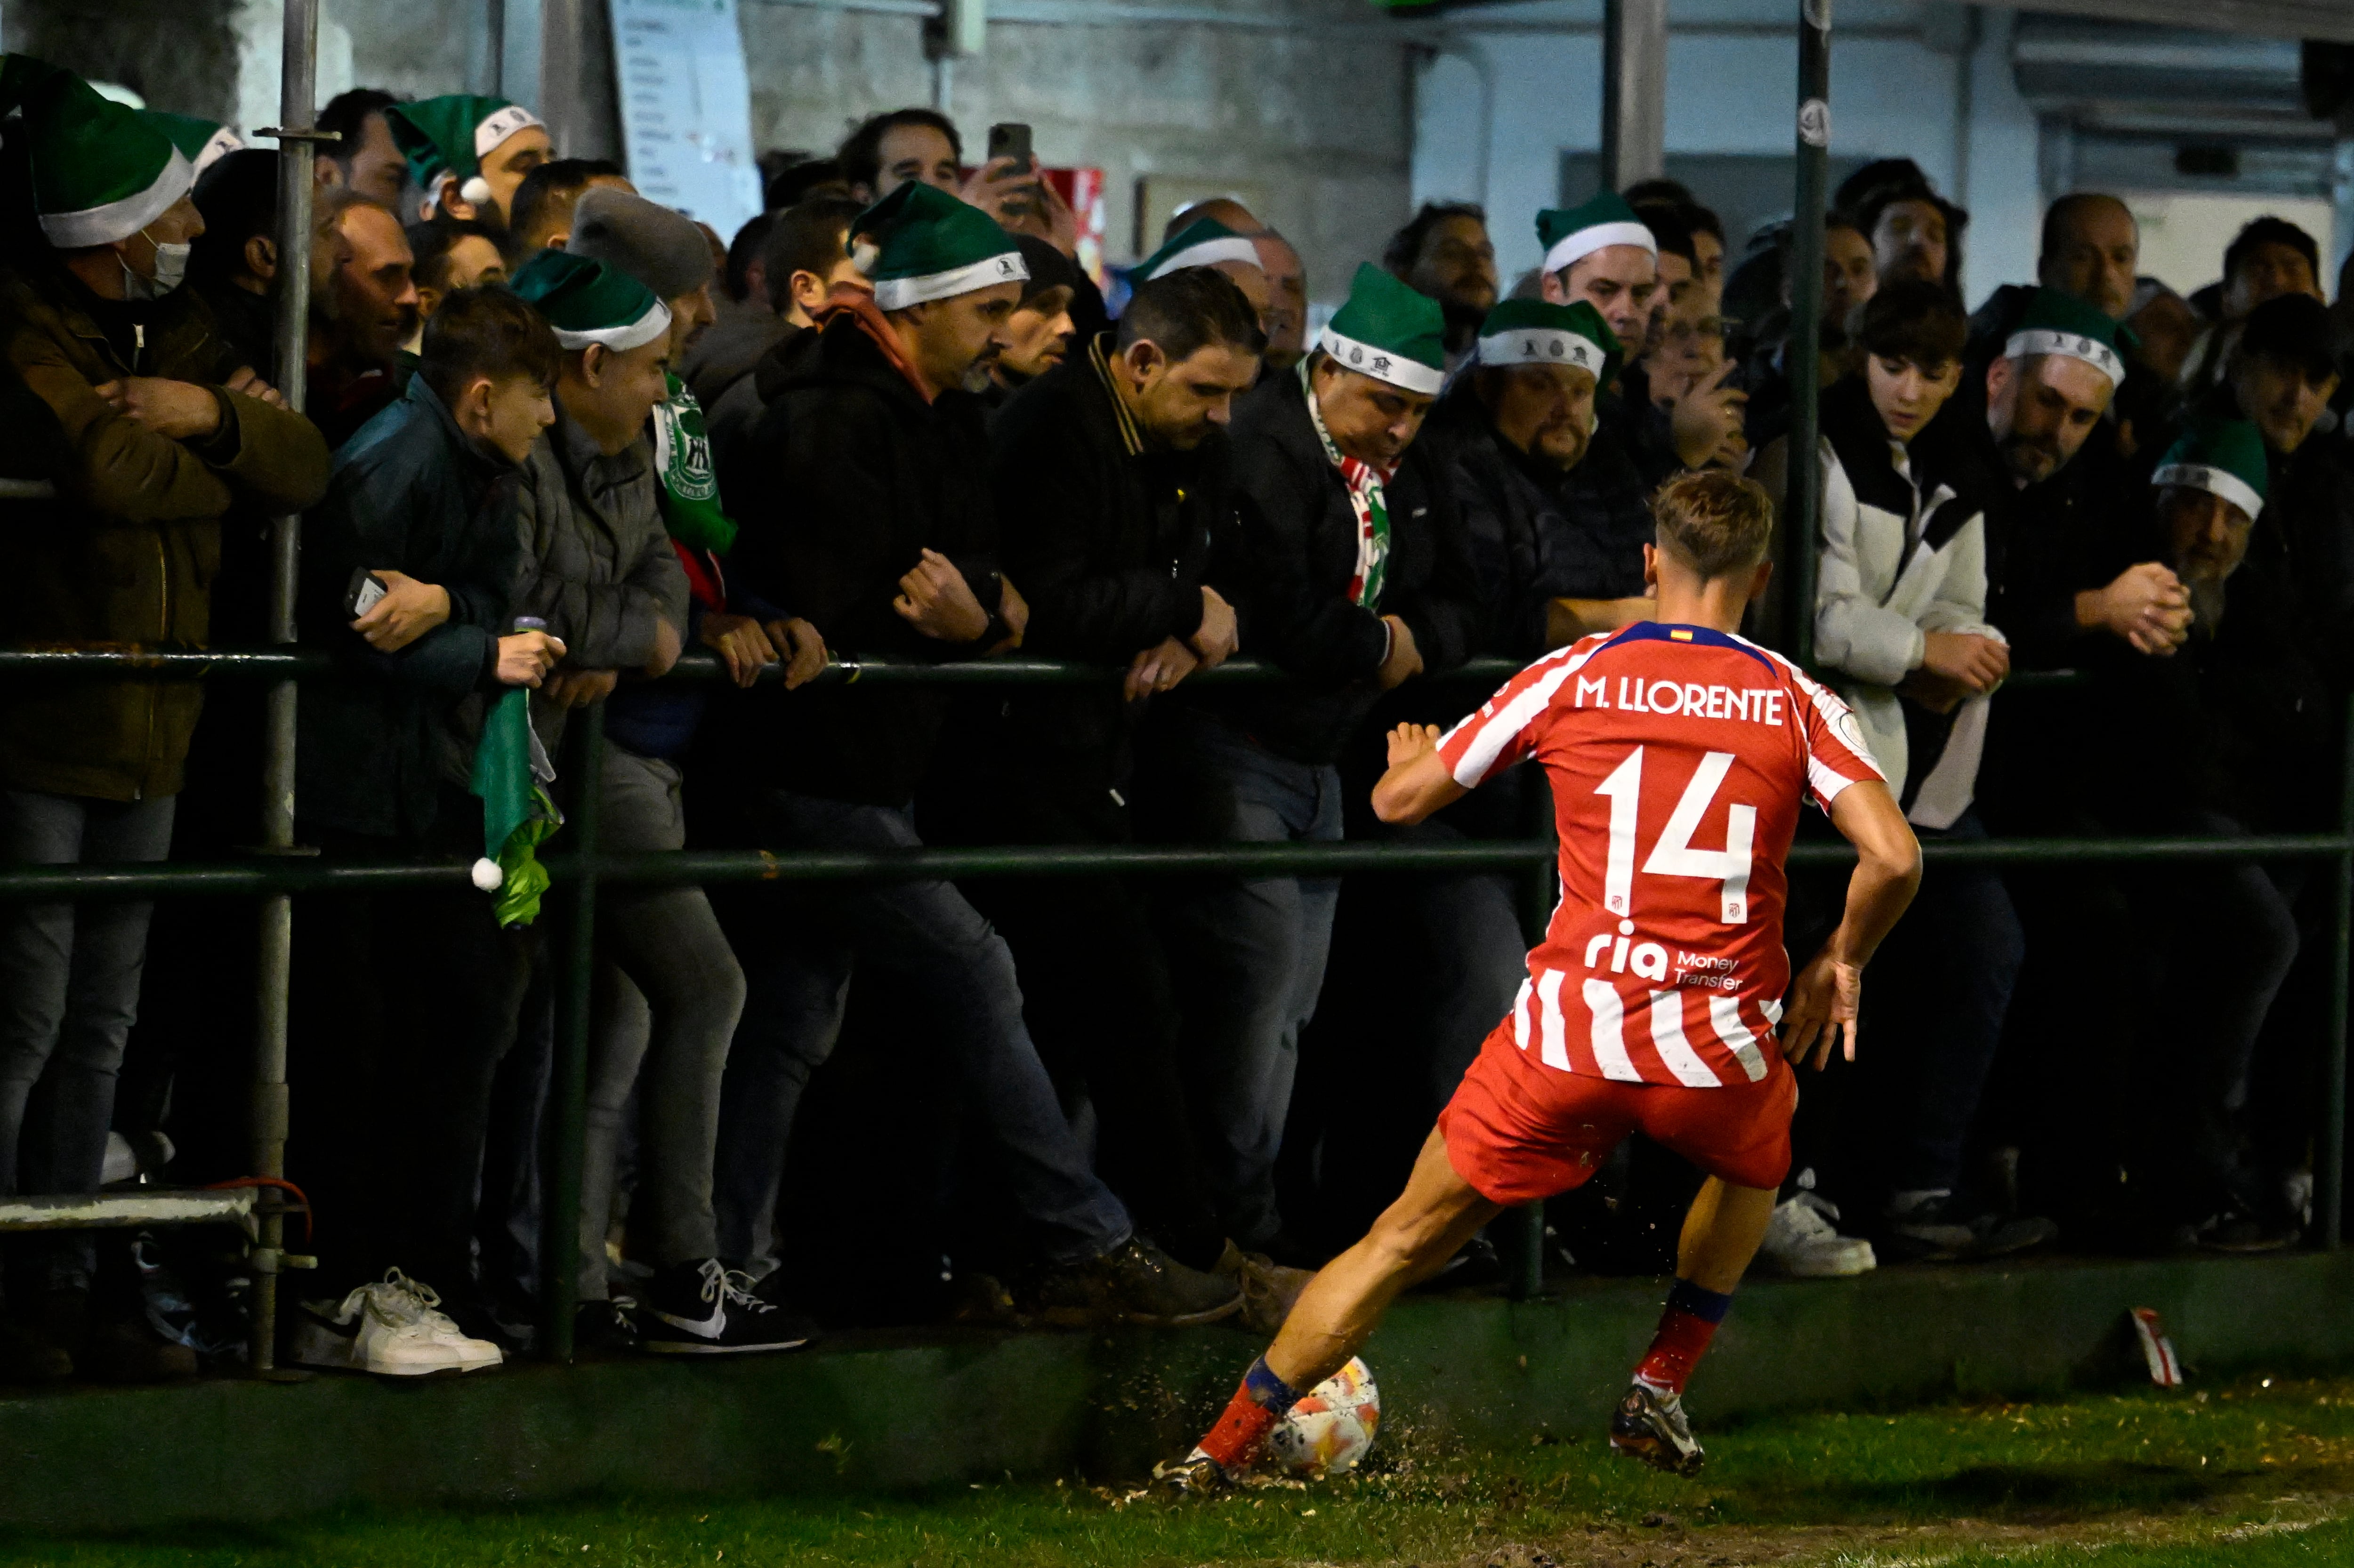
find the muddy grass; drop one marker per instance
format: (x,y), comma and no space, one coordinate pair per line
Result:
(2256,1474)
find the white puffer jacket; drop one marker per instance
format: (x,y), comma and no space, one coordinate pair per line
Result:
(1902,555)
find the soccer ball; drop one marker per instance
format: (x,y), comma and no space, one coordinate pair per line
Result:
(1327,1433)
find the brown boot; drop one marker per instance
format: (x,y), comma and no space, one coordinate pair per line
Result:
(131,1353)
(27,1355)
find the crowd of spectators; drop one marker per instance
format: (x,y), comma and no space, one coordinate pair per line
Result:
(556,437)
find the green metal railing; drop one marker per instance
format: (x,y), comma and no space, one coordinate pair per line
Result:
(579,867)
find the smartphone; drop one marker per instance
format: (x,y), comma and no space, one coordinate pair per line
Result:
(1011,139)
(366,590)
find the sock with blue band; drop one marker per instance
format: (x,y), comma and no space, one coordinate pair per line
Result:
(1686,1327)
(1263,1400)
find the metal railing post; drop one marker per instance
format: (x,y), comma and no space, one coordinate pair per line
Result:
(1538,887)
(2341,961)
(273,966)
(568,1094)
(1802,357)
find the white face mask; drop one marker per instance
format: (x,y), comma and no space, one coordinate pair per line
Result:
(171,272)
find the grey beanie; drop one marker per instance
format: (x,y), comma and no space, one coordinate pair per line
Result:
(660,248)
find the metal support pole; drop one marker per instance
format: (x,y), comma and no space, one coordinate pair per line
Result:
(273,966)
(1803,494)
(1634,91)
(2341,962)
(1539,887)
(567,1096)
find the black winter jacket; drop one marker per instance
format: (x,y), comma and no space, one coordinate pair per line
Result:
(1297,552)
(1109,543)
(409,493)
(846,479)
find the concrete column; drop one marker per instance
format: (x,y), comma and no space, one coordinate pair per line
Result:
(2341,194)
(556,58)
(1634,91)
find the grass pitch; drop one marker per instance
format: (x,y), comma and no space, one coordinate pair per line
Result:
(2256,1474)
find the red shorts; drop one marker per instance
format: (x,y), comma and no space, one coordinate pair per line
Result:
(1518,1130)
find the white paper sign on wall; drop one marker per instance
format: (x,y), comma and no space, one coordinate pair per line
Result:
(686,108)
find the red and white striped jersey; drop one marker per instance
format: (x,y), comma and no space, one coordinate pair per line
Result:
(1679,757)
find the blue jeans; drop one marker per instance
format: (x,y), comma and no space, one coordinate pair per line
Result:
(69,993)
(931,951)
(1248,954)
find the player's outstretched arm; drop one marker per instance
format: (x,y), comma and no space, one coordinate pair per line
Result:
(1823,1003)
(1417,782)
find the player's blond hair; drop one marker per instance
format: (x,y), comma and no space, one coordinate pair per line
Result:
(1718,523)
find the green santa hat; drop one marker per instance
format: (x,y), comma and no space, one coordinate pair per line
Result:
(1388,332)
(2063,324)
(102,172)
(1203,244)
(2225,459)
(451,136)
(203,141)
(924,244)
(1571,235)
(589,302)
(1530,331)
(511,777)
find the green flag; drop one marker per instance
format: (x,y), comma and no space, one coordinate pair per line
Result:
(511,774)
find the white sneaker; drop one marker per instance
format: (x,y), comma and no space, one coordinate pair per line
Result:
(1801,1241)
(393,1330)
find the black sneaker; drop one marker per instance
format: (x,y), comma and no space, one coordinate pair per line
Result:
(604,1327)
(1650,1426)
(1137,1283)
(702,1309)
(1195,1476)
(1946,1229)
(2239,1230)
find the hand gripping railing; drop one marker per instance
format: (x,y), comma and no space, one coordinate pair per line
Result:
(579,867)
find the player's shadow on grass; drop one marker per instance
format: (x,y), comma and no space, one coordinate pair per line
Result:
(2103,1486)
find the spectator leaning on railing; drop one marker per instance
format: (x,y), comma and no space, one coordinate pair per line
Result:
(1351,575)
(163,432)
(404,1004)
(1112,485)
(863,492)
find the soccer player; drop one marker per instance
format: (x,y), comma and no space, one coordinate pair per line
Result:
(1678,756)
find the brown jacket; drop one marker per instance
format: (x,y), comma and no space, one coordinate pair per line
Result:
(126,550)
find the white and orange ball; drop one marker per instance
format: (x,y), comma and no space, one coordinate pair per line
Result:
(1330,1430)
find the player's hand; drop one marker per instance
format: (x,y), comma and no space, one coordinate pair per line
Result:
(1404,658)
(1823,1007)
(1157,668)
(1977,664)
(1214,641)
(936,600)
(2145,605)
(741,643)
(1409,741)
(807,646)
(407,610)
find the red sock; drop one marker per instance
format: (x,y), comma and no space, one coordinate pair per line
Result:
(1250,1415)
(1235,1441)
(1685,1330)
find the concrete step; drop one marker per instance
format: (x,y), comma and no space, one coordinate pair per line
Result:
(875,1410)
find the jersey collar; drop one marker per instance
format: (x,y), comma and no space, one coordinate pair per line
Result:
(1701,636)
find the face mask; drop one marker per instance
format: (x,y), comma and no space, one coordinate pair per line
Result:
(171,272)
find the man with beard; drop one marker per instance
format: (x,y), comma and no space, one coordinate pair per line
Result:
(2229,736)
(362,308)
(863,491)
(1849,279)
(1444,252)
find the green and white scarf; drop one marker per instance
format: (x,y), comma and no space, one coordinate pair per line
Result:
(690,487)
(1368,499)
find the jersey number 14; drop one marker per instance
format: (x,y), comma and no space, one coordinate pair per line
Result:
(1673,854)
